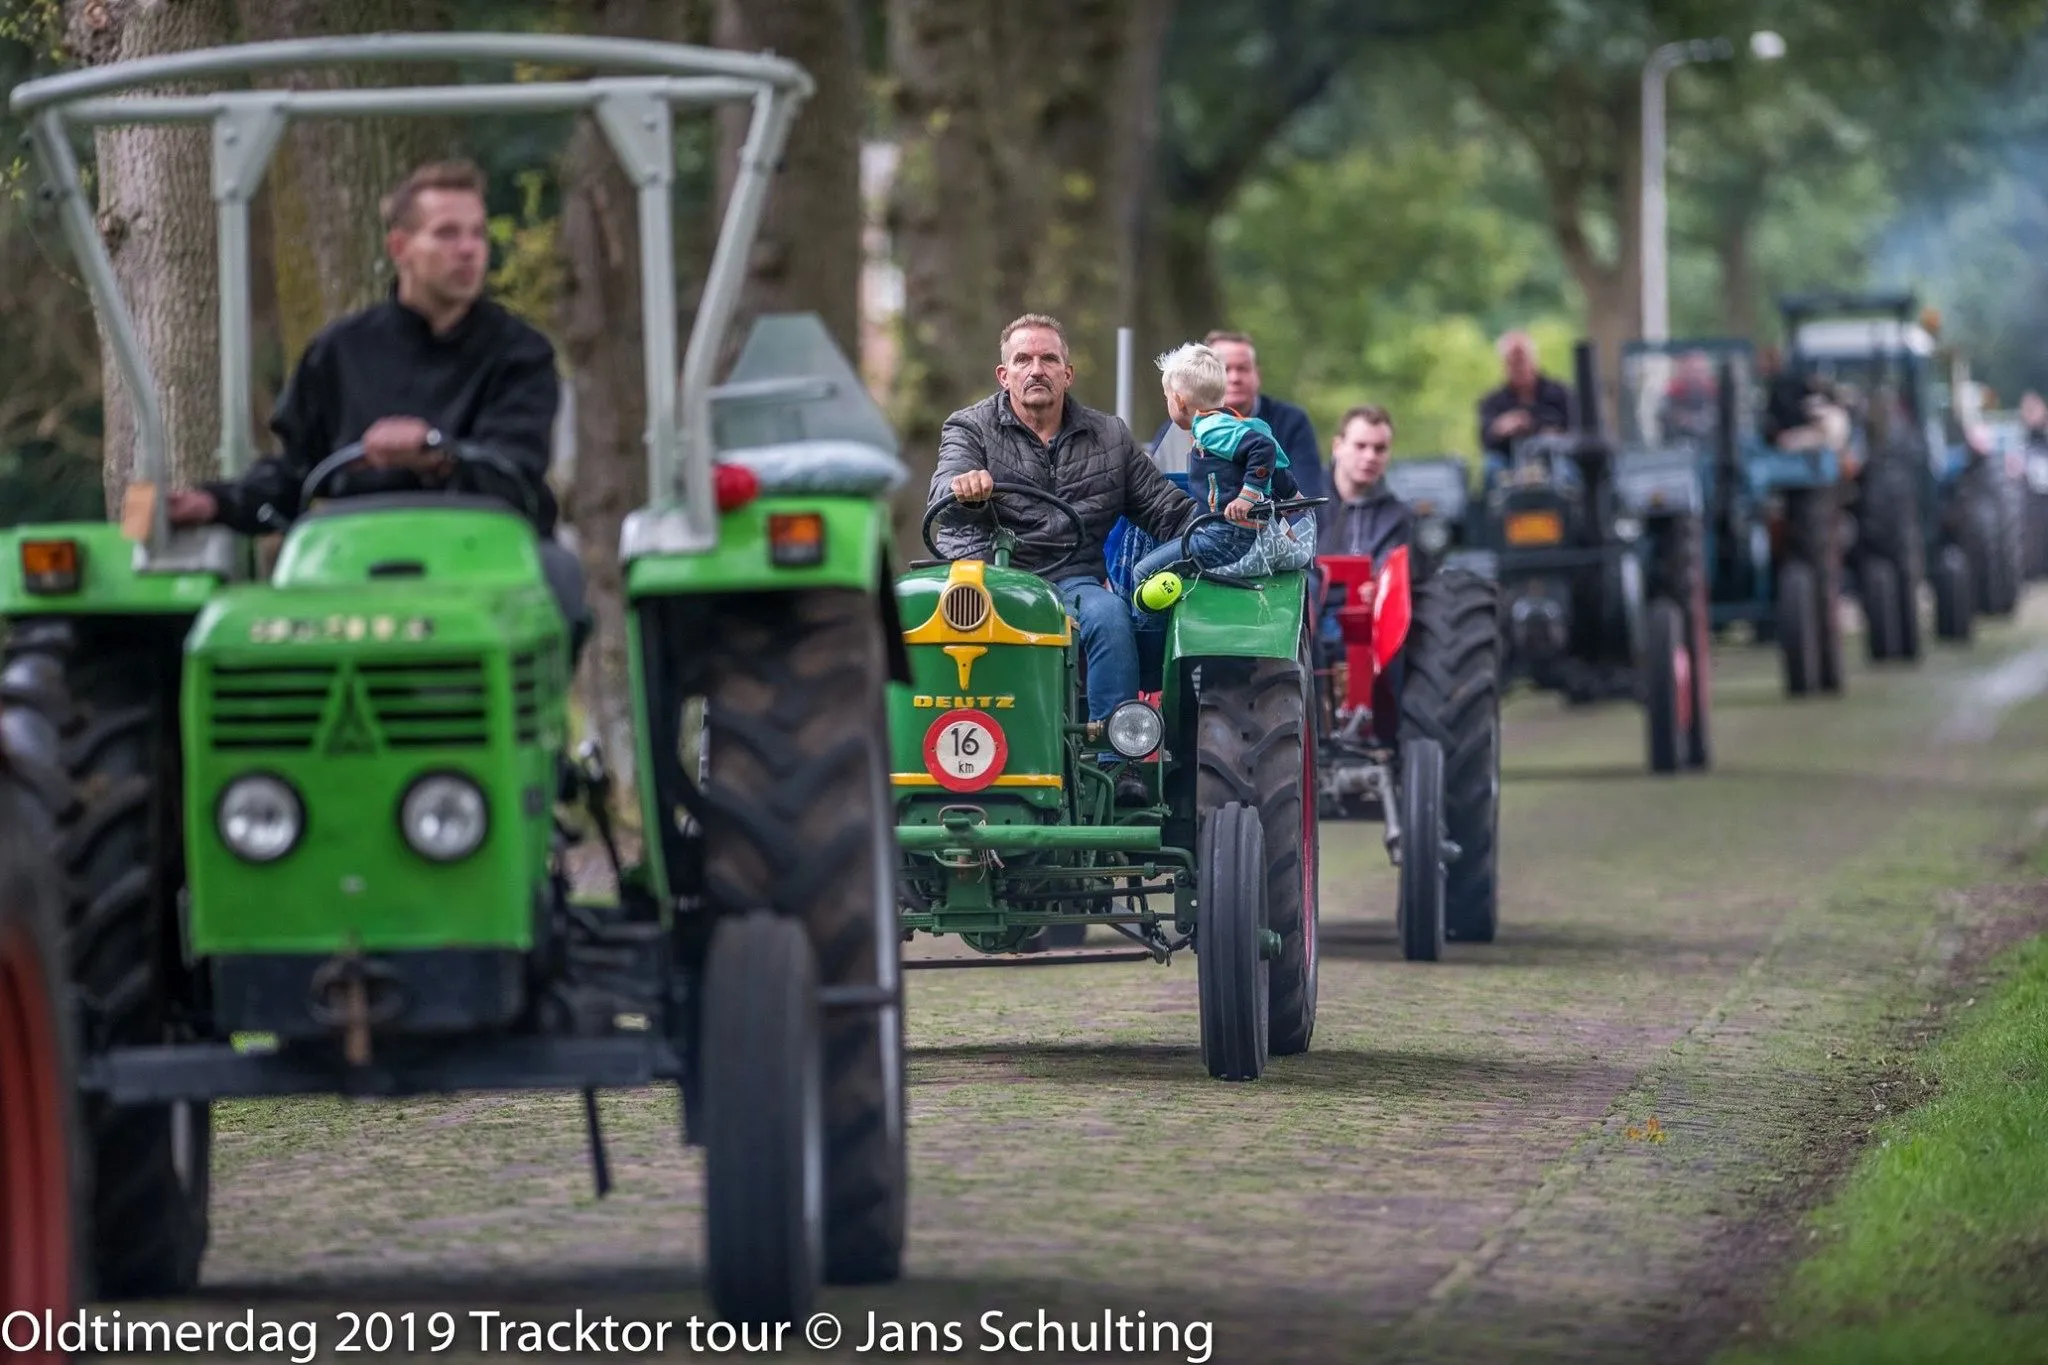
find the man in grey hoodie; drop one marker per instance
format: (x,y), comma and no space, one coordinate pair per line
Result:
(1363,516)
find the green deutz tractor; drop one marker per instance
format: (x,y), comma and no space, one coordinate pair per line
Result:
(1009,825)
(314,827)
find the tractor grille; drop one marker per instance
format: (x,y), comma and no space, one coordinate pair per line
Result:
(266,706)
(526,691)
(421,705)
(965,607)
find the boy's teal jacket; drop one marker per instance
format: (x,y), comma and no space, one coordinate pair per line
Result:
(1233,453)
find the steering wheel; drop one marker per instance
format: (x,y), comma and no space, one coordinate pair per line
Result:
(352,453)
(1260,512)
(1066,511)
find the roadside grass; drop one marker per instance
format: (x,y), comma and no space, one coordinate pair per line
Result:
(1936,1246)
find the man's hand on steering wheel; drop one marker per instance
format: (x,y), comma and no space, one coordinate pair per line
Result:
(402,443)
(974,486)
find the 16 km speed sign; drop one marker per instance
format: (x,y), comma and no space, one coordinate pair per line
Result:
(965,750)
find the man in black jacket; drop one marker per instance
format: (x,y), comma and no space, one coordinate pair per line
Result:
(1528,403)
(1032,431)
(445,389)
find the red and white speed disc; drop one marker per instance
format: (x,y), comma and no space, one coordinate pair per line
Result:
(965,750)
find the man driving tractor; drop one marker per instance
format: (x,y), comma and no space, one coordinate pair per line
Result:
(445,390)
(1365,517)
(1031,431)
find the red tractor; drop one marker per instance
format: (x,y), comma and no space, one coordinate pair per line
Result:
(1409,676)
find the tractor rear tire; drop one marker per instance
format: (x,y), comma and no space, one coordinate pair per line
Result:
(1952,600)
(1882,609)
(799,821)
(1419,917)
(1451,694)
(1799,641)
(1667,661)
(41,1178)
(1256,745)
(764,1135)
(110,711)
(1232,977)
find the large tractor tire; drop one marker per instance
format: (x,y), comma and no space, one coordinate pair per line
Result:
(1451,694)
(799,821)
(107,695)
(1256,745)
(1889,528)
(41,1178)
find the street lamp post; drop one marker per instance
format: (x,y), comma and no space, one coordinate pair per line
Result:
(1767,46)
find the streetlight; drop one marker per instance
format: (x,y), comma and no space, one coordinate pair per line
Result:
(1765,46)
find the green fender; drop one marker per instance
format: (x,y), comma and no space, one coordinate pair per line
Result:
(1216,620)
(856,540)
(108,583)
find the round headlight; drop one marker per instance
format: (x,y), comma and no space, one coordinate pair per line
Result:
(1627,528)
(1434,535)
(1134,729)
(444,817)
(260,818)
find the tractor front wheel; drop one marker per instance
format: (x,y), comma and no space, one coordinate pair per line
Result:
(799,821)
(763,1120)
(38,1169)
(1882,609)
(1420,915)
(1952,603)
(1230,964)
(107,710)
(1256,746)
(1669,694)
(1799,641)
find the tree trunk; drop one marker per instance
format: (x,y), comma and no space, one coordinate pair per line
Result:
(1016,196)
(1612,286)
(1741,287)
(329,176)
(807,258)
(156,217)
(601,325)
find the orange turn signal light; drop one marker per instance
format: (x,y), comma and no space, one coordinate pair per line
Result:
(50,566)
(796,540)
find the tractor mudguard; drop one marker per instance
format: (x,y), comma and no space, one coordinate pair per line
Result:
(777,543)
(1393,609)
(1215,620)
(94,576)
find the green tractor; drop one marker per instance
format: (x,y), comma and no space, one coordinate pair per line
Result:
(1009,826)
(314,828)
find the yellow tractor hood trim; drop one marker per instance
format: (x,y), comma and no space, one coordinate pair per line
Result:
(993,630)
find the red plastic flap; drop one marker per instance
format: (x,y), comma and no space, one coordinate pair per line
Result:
(1393,609)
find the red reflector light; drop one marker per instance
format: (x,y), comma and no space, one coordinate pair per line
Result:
(734,486)
(796,540)
(50,566)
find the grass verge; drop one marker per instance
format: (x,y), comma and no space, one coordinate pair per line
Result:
(1936,1247)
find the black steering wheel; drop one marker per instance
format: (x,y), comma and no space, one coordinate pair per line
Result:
(1066,511)
(1264,511)
(352,453)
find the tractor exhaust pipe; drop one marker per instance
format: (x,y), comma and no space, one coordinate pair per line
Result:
(1123,374)
(1586,382)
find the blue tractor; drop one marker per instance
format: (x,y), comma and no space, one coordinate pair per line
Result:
(1927,505)
(1772,521)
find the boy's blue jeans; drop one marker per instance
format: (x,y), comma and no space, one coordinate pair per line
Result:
(1214,545)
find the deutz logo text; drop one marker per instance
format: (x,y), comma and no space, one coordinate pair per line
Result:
(948,703)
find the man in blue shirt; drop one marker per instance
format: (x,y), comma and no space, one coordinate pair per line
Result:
(1291,427)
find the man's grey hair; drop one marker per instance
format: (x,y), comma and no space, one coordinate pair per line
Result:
(1195,373)
(1512,340)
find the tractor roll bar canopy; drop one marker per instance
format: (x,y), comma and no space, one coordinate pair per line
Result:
(635,106)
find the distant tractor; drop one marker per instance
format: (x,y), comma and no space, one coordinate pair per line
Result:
(1598,555)
(1773,517)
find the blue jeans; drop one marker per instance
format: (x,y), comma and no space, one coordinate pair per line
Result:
(1214,545)
(1107,642)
